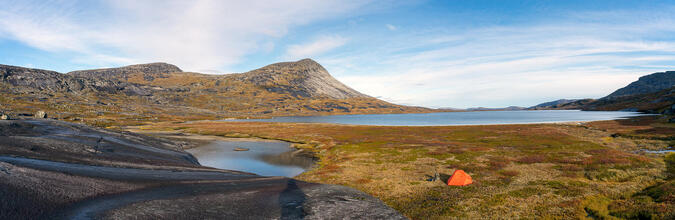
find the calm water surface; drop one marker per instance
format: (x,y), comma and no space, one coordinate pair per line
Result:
(459,118)
(262,158)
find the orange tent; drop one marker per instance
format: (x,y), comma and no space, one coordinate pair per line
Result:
(459,178)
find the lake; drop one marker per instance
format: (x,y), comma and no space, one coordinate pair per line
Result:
(459,118)
(266,158)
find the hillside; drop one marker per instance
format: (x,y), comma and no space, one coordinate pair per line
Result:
(651,83)
(653,93)
(660,102)
(552,104)
(160,91)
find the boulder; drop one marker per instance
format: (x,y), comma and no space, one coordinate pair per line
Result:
(41,114)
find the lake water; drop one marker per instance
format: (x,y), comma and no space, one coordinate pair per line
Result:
(263,157)
(659,151)
(459,118)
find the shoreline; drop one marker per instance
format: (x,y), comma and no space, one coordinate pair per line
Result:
(195,140)
(451,125)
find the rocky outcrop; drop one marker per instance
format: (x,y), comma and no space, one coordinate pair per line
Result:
(124,72)
(304,78)
(651,83)
(40,114)
(26,80)
(37,79)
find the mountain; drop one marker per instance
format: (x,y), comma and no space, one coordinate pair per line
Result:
(660,102)
(160,91)
(653,93)
(651,83)
(560,104)
(307,78)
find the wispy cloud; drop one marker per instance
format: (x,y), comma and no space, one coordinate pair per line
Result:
(511,65)
(317,47)
(203,34)
(391,27)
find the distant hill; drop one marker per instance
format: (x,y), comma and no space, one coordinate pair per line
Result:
(510,108)
(561,104)
(651,83)
(160,91)
(653,93)
(660,102)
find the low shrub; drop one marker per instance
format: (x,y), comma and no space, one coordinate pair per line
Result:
(526,192)
(532,159)
(670,165)
(497,163)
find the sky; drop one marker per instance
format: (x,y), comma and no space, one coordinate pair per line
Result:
(452,53)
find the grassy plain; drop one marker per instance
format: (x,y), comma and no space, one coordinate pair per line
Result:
(588,170)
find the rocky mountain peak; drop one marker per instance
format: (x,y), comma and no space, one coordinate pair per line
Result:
(303,78)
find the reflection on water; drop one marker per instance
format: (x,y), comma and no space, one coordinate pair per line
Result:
(659,151)
(262,158)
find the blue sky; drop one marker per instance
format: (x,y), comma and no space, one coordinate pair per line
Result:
(428,53)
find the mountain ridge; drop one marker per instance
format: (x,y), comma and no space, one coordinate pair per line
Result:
(147,68)
(160,91)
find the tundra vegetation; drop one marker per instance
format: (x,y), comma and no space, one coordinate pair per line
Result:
(587,170)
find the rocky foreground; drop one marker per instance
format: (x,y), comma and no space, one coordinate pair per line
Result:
(52,169)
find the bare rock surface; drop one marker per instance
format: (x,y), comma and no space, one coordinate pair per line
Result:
(123,72)
(305,78)
(58,170)
(40,114)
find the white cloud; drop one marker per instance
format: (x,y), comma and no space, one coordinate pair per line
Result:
(317,47)
(509,65)
(391,27)
(202,34)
